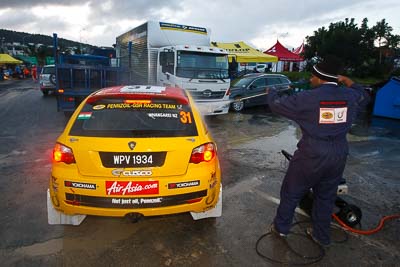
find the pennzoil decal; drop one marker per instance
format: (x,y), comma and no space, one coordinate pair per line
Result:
(136,201)
(183,184)
(143,105)
(332,115)
(80,185)
(185,28)
(97,107)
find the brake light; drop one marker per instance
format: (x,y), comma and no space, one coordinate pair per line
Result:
(137,101)
(205,152)
(63,153)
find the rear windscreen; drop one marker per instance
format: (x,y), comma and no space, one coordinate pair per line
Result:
(48,70)
(134,118)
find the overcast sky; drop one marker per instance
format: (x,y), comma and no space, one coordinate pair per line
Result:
(256,22)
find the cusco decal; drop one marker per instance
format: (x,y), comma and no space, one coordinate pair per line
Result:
(332,115)
(183,184)
(122,172)
(131,188)
(84,115)
(80,185)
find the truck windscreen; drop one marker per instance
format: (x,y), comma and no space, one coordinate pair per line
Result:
(199,65)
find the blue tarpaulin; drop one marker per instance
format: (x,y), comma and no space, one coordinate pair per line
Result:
(387,101)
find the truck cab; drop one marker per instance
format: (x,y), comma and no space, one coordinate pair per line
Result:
(201,70)
(168,54)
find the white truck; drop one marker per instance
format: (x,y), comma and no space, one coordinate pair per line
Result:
(166,54)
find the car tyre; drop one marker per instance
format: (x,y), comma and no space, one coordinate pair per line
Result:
(45,92)
(237,105)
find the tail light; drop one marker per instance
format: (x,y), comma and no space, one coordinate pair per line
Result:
(205,152)
(228,92)
(63,153)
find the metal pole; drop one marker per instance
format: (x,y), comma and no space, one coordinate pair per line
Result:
(2,44)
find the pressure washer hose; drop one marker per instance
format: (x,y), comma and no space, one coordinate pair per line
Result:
(366,232)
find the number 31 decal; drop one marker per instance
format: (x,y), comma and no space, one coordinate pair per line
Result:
(185,117)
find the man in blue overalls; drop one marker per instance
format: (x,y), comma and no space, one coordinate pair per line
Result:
(325,115)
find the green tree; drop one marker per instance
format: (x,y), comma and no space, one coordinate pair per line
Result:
(339,40)
(382,32)
(360,48)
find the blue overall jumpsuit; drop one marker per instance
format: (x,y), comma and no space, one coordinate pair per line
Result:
(325,115)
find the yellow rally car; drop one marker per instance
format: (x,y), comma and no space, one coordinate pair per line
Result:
(134,151)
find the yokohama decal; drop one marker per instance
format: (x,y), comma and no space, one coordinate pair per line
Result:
(131,188)
(80,185)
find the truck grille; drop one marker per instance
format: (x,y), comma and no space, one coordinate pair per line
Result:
(207,94)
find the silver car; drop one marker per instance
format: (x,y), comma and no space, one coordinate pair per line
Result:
(47,79)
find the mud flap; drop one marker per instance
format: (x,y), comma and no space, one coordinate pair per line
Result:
(214,212)
(56,217)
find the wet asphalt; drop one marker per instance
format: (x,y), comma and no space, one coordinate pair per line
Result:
(249,145)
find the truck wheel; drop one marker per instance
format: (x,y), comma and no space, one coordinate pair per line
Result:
(237,105)
(45,92)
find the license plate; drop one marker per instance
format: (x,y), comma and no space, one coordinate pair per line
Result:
(133,159)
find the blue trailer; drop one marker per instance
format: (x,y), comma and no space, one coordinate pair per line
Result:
(77,76)
(75,81)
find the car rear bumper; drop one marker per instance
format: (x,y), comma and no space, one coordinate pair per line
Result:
(47,87)
(93,200)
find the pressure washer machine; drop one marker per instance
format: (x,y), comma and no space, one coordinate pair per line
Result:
(348,213)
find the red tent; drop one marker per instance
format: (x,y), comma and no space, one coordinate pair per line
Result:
(282,53)
(299,50)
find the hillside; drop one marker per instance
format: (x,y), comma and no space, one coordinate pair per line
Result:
(24,38)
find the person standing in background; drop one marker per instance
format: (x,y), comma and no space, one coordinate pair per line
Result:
(34,73)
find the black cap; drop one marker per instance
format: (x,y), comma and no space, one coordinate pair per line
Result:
(328,69)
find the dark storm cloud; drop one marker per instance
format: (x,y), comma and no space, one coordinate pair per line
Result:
(36,23)
(228,20)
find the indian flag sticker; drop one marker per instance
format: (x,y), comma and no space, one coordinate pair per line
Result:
(84,115)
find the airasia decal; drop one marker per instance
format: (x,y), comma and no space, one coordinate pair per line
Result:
(131,188)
